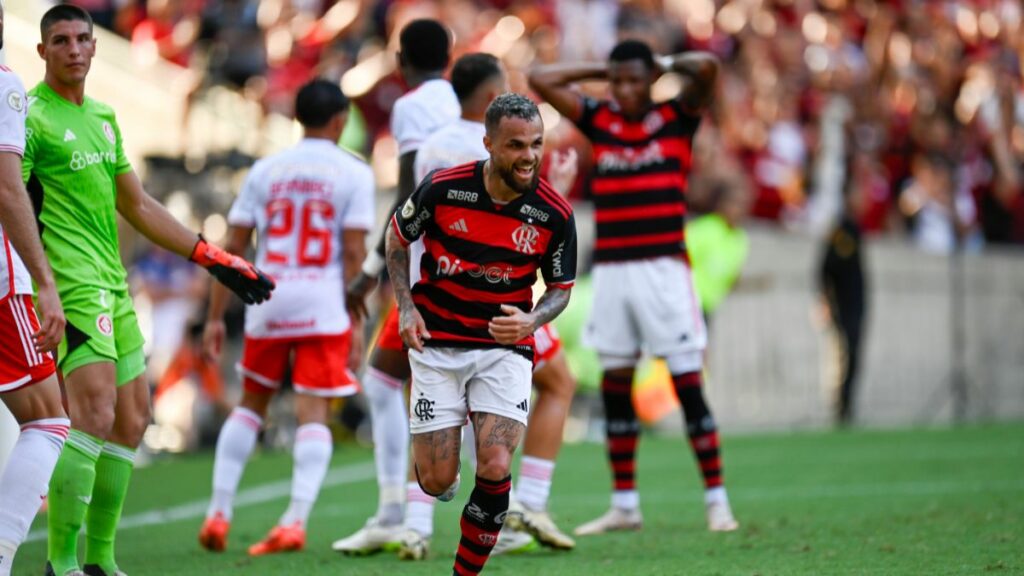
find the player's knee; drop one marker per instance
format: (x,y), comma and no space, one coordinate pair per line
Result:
(493,464)
(257,402)
(435,480)
(96,417)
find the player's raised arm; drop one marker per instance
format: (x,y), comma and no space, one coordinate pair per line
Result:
(552,83)
(150,218)
(699,71)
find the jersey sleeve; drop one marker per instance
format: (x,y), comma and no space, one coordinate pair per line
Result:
(410,125)
(123,165)
(246,205)
(559,263)
(588,109)
(360,210)
(412,218)
(12,114)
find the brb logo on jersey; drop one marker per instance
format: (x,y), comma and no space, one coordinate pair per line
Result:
(525,238)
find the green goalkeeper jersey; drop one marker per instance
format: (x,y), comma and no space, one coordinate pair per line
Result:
(72,156)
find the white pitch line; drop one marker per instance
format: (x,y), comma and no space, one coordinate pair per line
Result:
(249,497)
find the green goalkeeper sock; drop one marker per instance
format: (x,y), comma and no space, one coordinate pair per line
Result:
(113,473)
(70,492)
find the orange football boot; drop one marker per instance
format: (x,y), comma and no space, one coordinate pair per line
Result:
(281,539)
(214,534)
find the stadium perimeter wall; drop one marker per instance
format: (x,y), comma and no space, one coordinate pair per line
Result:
(772,363)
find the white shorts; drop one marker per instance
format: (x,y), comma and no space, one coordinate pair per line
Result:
(645,306)
(450,383)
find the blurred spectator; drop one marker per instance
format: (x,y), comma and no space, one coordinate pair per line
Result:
(842,287)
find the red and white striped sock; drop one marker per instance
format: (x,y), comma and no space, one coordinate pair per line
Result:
(26,477)
(234,446)
(312,456)
(534,485)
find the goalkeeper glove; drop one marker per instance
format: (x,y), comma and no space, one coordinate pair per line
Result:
(251,285)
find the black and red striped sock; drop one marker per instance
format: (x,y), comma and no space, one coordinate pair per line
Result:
(481,521)
(622,428)
(700,427)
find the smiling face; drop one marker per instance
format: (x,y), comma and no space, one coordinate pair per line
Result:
(68,48)
(516,148)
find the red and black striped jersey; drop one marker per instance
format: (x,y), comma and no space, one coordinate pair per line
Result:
(639,178)
(480,255)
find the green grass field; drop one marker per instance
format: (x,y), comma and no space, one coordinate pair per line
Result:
(943,501)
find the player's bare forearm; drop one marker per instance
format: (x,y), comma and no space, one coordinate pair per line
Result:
(550,306)
(19,222)
(552,82)
(699,70)
(353,252)
(150,217)
(398,269)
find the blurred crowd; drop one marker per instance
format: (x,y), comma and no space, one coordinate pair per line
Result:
(915,106)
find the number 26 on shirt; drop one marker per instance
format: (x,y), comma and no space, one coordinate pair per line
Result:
(309,243)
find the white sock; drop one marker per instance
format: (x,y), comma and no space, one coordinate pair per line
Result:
(312,456)
(390,425)
(234,446)
(715,495)
(535,482)
(469,444)
(7,550)
(26,478)
(626,499)
(419,510)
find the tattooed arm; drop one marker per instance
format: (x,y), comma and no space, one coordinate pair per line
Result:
(516,324)
(410,322)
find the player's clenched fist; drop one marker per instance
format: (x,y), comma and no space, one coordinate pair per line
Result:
(235,272)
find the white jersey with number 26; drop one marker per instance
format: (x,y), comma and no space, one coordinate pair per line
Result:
(299,201)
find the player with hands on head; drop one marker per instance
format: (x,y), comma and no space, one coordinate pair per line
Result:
(644,299)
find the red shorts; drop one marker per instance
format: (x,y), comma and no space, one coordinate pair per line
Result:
(319,367)
(546,344)
(20,364)
(388,338)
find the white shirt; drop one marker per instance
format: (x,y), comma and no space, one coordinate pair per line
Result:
(300,200)
(14,277)
(421,112)
(457,143)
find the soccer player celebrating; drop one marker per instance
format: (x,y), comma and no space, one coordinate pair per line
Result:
(643,289)
(28,376)
(469,322)
(430,104)
(478,79)
(311,206)
(79,180)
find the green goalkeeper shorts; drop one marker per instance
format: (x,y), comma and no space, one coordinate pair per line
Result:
(101,327)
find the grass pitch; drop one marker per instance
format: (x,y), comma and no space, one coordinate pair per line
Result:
(933,501)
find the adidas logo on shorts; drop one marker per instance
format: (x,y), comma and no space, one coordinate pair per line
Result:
(524,406)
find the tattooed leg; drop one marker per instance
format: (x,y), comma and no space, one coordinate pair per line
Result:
(496,440)
(436,458)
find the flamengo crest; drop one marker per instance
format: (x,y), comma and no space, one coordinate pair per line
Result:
(525,238)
